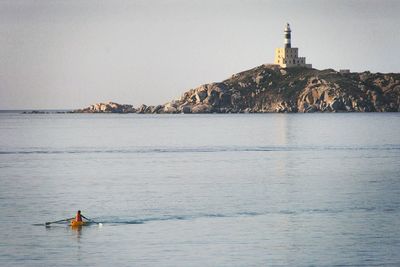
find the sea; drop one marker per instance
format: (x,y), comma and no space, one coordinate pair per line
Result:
(200,190)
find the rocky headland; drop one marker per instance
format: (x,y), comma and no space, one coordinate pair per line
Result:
(269,88)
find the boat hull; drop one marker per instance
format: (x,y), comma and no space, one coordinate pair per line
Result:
(74,223)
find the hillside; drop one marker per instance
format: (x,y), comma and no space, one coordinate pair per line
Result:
(269,88)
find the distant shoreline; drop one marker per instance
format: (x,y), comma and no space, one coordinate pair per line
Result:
(60,112)
(37,111)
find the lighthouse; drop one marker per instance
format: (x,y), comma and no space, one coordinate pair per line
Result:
(288,56)
(287,36)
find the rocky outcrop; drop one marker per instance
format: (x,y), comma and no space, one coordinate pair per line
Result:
(269,88)
(109,107)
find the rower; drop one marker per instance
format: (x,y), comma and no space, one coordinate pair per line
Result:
(79,217)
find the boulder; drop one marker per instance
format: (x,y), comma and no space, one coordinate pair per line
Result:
(201,108)
(170,107)
(200,96)
(186,109)
(141,109)
(337,104)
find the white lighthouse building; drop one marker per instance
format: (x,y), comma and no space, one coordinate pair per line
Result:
(287,56)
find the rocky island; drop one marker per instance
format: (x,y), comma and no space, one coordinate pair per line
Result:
(271,88)
(288,85)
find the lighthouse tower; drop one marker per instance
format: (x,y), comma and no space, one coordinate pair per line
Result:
(287,56)
(287,36)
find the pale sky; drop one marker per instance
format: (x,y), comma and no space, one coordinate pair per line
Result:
(70,54)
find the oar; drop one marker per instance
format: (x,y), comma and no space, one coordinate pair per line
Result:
(48,223)
(90,220)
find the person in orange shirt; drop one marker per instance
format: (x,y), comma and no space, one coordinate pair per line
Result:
(79,217)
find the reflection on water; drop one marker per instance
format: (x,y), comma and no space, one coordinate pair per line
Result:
(77,230)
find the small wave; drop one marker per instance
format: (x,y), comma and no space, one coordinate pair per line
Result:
(249,213)
(124,222)
(363,208)
(322,210)
(216,149)
(389,210)
(287,212)
(149,219)
(159,218)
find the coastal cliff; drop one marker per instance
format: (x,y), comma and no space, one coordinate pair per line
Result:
(269,88)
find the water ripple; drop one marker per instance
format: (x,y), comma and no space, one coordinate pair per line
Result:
(216,149)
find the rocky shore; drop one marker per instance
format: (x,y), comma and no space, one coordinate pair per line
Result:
(269,88)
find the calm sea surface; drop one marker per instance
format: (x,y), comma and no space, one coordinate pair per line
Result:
(201,190)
